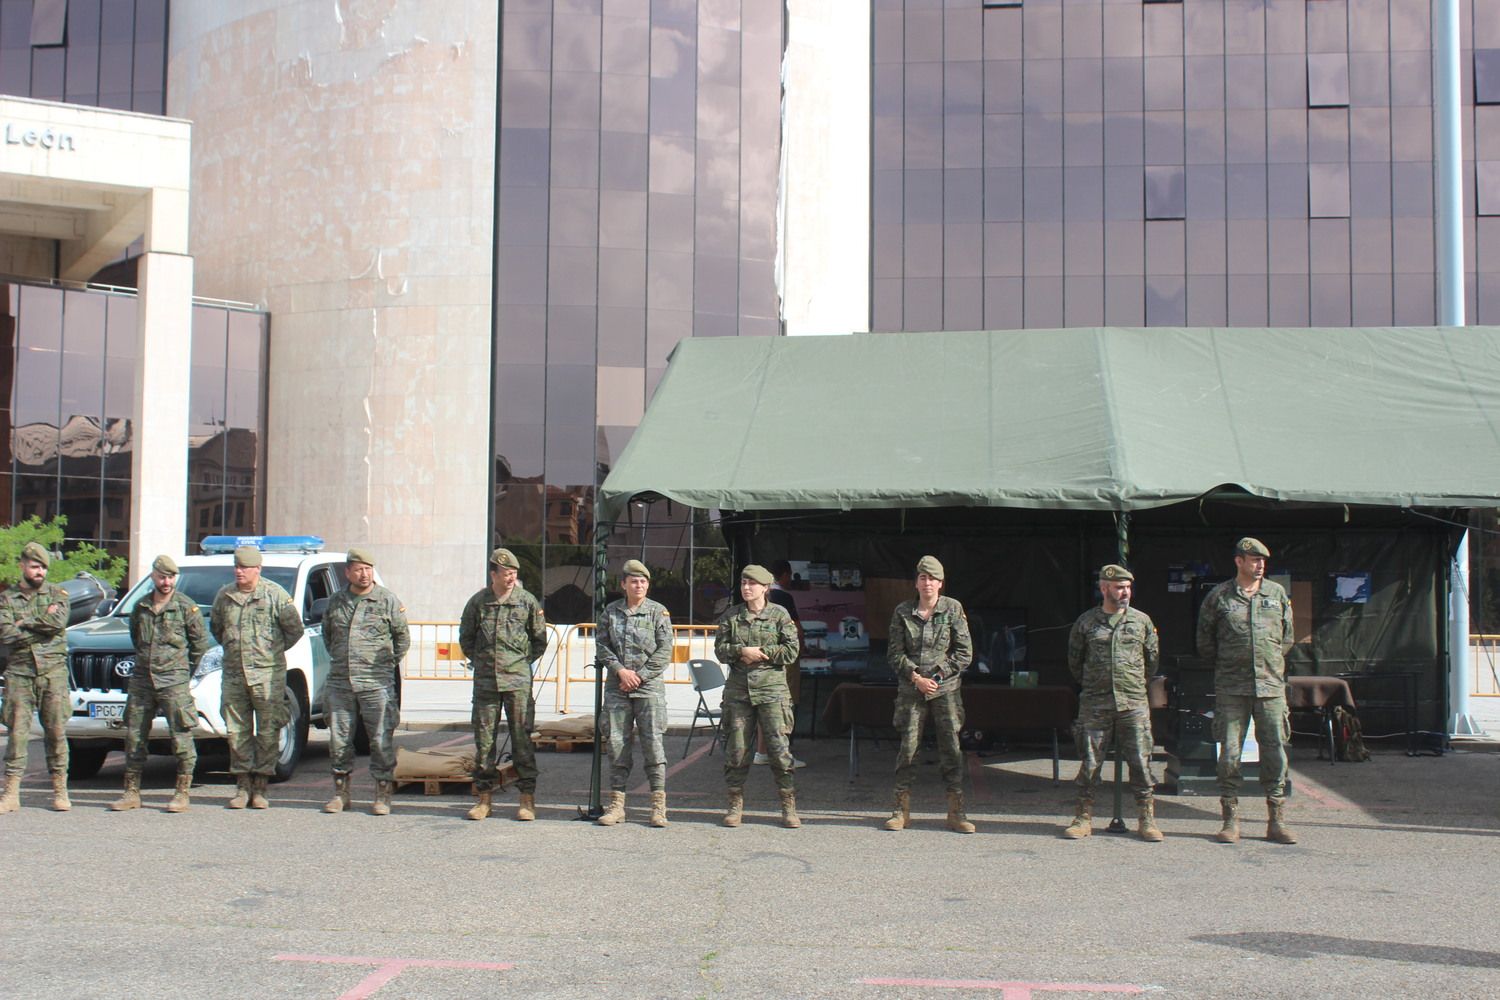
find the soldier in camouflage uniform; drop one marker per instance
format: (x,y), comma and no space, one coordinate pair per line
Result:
(929,650)
(365,631)
(1244,630)
(256,622)
(634,643)
(33,615)
(169,636)
(502,632)
(758,641)
(1113,653)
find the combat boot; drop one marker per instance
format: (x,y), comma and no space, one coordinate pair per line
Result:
(10,799)
(132,797)
(957,821)
(60,801)
(1083,821)
(1229,833)
(659,809)
(1146,824)
(736,807)
(258,798)
(341,799)
(382,804)
(900,812)
(241,797)
(179,803)
(1277,832)
(526,808)
(789,809)
(616,811)
(481,808)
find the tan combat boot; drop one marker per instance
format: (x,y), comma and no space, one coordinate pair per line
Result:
(382,804)
(481,808)
(1277,832)
(900,812)
(957,821)
(60,801)
(616,811)
(526,808)
(179,803)
(1229,833)
(132,797)
(241,792)
(659,809)
(258,798)
(1083,821)
(10,799)
(736,807)
(1146,823)
(341,799)
(789,809)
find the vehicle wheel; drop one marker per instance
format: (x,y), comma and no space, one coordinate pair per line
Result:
(84,762)
(293,735)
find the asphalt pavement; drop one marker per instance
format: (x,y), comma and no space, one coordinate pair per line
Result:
(1391,891)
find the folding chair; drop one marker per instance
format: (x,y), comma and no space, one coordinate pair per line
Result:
(707,675)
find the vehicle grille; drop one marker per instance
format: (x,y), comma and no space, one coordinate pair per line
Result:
(96,671)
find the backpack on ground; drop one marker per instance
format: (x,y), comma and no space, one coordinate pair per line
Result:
(1348,736)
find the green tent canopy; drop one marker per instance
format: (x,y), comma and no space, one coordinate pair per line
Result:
(1086,418)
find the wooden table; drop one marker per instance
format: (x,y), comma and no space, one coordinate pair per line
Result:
(1322,695)
(991,707)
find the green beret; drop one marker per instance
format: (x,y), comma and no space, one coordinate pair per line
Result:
(1114,571)
(635,567)
(504,559)
(1251,547)
(359,556)
(757,574)
(165,564)
(246,556)
(930,566)
(35,553)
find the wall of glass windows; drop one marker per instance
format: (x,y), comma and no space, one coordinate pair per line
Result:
(67,395)
(105,53)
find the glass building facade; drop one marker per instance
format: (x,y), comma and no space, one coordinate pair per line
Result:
(104,53)
(639,147)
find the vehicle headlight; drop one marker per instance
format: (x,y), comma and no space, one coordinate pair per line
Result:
(212,661)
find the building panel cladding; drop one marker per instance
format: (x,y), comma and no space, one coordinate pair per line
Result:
(1204,162)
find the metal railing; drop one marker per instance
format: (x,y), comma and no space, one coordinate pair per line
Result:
(1486,665)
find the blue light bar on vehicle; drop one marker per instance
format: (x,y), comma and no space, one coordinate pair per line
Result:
(221,544)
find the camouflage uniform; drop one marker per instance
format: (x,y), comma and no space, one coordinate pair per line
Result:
(938,648)
(757,693)
(639,640)
(367,637)
(36,678)
(1113,656)
(501,639)
(1245,637)
(168,645)
(255,629)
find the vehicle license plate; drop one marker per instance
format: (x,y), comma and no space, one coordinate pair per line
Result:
(112,711)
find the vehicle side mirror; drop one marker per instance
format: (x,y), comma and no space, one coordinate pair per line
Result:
(105,607)
(317,611)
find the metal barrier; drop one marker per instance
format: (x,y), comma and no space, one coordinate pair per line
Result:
(1485,668)
(435,656)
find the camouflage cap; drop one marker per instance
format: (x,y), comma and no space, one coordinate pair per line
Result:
(1114,571)
(1251,547)
(36,553)
(930,566)
(164,564)
(757,574)
(634,567)
(246,556)
(504,559)
(359,556)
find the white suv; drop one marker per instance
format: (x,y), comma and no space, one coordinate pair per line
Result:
(100,656)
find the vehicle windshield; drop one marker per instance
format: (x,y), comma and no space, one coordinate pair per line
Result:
(202,584)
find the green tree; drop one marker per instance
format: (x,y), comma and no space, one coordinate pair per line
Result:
(65,565)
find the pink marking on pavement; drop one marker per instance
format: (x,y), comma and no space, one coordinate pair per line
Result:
(979,791)
(686,762)
(1321,795)
(1008,991)
(387,968)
